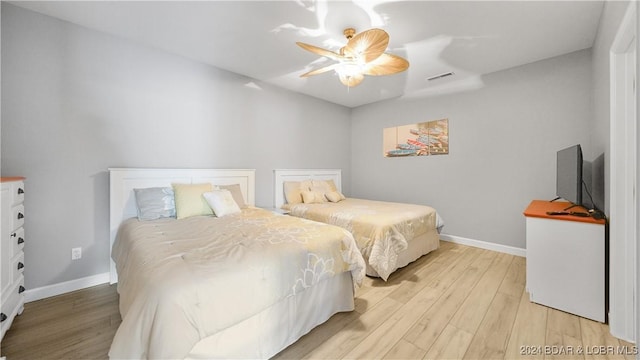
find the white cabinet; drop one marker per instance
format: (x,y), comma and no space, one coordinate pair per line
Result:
(566,261)
(11,251)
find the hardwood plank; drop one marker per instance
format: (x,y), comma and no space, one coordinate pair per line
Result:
(598,341)
(77,325)
(472,311)
(564,336)
(628,349)
(381,340)
(431,324)
(490,341)
(529,331)
(425,274)
(451,344)
(403,281)
(516,277)
(404,350)
(342,342)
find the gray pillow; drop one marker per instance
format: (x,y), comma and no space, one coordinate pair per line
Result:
(155,203)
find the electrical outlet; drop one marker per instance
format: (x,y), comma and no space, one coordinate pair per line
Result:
(76,253)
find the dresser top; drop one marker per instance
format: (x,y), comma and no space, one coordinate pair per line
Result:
(539,208)
(11,178)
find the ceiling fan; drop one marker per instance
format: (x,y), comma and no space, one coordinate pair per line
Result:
(362,55)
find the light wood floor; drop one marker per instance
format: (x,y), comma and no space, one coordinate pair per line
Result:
(457,302)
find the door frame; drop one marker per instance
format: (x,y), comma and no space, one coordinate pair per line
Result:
(623,230)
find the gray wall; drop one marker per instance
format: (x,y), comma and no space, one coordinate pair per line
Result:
(76,101)
(503,142)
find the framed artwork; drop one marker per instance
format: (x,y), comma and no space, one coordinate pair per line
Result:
(421,139)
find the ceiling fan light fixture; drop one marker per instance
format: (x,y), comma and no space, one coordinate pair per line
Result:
(362,55)
(349,32)
(350,69)
(351,80)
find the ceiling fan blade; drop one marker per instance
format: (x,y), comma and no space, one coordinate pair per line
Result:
(386,64)
(320,70)
(367,45)
(320,51)
(351,80)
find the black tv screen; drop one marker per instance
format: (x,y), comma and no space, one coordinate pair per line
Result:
(569,174)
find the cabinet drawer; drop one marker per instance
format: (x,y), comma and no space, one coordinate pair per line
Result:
(17,241)
(17,269)
(17,192)
(17,217)
(12,305)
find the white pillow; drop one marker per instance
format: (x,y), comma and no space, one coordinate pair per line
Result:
(221,202)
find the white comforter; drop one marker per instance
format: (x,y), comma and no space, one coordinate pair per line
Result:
(183,280)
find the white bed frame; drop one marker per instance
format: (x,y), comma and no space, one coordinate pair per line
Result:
(122,181)
(282,175)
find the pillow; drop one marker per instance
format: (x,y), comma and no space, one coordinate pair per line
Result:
(327,185)
(189,200)
(334,196)
(222,203)
(320,190)
(293,190)
(155,203)
(236,192)
(312,197)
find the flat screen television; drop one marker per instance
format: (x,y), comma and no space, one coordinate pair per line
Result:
(569,174)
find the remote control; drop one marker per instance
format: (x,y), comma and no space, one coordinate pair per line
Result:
(581,214)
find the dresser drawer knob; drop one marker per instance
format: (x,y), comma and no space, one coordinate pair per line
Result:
(20,240)
(20,265)
(3,317)
(20,216)
(14,235)
(21,289)
(20,191)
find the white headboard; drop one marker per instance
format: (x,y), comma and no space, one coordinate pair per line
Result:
(282,175)
(122,181)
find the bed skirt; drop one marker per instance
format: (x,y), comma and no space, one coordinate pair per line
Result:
(417,247)
(272,330)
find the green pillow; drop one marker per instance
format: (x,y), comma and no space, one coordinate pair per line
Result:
(189,200)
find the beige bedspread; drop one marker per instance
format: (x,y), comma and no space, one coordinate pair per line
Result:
(183,280)
(381,229)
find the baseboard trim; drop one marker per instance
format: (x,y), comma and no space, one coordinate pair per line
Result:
(65,287)
(484,245)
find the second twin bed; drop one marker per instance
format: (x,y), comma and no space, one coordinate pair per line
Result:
(389,235)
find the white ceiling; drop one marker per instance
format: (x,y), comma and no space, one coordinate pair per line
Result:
(257,38)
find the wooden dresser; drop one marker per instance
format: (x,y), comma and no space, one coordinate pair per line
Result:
(11,251)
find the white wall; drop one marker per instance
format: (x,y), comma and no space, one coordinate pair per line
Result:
(76,101)
(503,142)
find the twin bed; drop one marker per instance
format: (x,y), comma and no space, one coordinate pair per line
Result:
(389,235)
(248,283)
(244,285)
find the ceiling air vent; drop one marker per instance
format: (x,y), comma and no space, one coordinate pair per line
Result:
(440,76)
